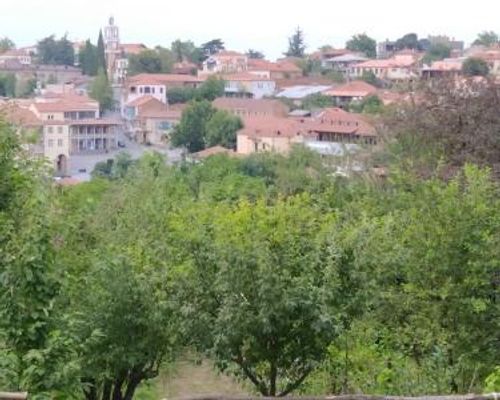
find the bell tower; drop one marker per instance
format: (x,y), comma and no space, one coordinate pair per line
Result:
(111,46)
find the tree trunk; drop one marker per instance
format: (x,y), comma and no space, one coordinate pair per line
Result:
(117,391)
(106,391)
(272,379)
(131,387)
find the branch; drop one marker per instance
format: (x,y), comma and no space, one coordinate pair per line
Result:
(253,377)
(291,387)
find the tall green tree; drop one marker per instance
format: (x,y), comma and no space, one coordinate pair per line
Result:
(363,44)
(88,59)
(101,91)
(212,47)
(255,54)
(296,44)
(436,52)
(101,54)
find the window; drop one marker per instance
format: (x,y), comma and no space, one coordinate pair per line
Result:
(147,89)
(140,90)
(50,143)
(59,129)
(161,90)
(50,129)
(59,143)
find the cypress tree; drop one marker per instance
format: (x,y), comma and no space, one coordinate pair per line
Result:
(101,54)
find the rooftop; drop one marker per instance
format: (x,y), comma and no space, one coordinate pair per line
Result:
(352,89)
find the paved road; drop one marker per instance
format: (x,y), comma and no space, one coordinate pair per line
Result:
(82,165)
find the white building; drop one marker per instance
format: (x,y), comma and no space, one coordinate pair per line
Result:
(245,84)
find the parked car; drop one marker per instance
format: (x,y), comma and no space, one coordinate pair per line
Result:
(121,144)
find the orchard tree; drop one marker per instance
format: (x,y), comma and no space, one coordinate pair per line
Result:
(275,302)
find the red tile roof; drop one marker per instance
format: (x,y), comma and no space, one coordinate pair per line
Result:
(395,62)
(20,116)
(162,79)
(352,89)
(337,120)
(272,127)
(256,106)
(280,66)
(244,77)
(142,100)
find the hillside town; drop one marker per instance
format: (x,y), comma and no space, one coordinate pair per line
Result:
(87,102)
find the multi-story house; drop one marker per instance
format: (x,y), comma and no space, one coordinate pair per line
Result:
(156,85)
(246,84)
(224,62)
(70,124)
(397,68)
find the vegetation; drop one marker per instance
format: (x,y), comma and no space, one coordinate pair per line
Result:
(317,101)
(6,44)
(57,52)
(296,44)
(363,44)
(88,59)
(487,38)
(203,126)
(255,54)
(475,67)
(211,89)
(101,91)
(369,105)
(436,52)
(285,275)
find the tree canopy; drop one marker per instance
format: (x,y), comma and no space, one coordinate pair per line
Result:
(475,67)
(364,44)
(57,52)
(296,44)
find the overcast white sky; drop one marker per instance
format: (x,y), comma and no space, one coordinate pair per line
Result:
(259,24)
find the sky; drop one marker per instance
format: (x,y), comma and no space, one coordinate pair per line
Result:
(262,25)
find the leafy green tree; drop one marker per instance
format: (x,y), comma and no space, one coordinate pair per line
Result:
(177,95)
(408,41)
(369,105)
(147,61)
(255,54)
(101,54)
(296,44)
(29,279)
(473,66)
(222,128)
(487,38)
(166,59)
(8,85)
(211,89)
(88,58)
(6,44)
(436,52)
(275,308)
(363,44)
(317,101)
(185,51)
(56,52)
(26,88)
(212,47)
(101,91)
(191,132)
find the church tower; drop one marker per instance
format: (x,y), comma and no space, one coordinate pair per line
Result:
(111,46)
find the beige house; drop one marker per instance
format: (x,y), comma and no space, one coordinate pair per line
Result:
(274,70)
(397,68)
(150,121)
(276,134)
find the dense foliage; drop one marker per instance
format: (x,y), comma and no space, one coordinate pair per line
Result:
(286,275)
